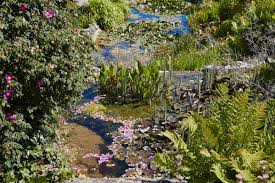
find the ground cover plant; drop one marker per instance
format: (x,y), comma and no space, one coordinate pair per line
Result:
(44,66)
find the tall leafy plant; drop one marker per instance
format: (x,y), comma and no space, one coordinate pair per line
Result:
(122,84)
(232,139)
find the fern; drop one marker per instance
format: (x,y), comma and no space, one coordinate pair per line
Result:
(231,140)
(220,173)
(178,142)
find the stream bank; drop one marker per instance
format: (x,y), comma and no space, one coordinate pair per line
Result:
(91,133)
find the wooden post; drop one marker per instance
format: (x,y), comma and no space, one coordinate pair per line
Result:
(209,75)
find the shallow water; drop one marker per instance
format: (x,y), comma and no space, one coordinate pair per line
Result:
(122,51)
(183,28)
(92,135)
(82,140)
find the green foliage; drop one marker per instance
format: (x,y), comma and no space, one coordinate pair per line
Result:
(266,72)
(121,84)
(148,33)
(227,19)
(188,55)
(108,14)
(43,67)
(166,6)
(232,139)
(231,16)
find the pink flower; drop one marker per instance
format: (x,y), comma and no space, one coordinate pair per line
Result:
(8,94)
(91,155)
(22,8)
(39,82)
(9,78)
(49,13)
(77,169)
(10,117)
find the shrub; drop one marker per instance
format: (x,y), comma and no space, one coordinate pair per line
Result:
(43,66)
(235,136)
(106,13)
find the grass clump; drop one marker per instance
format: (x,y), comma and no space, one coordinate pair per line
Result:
(189,55)
(195,58)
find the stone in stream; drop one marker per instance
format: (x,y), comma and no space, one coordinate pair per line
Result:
(82,2)
(93,30)
(124,180)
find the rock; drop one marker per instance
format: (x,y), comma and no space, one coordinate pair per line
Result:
(273,91)
(93,30)
(124,180)
(82,2)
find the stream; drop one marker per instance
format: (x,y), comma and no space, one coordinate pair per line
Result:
(87,134)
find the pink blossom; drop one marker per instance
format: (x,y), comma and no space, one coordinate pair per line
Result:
(49,13)
(77,169)
(126,132)
(8,93)
(39,82)
(9,78)
(22,8)
(104,158)
(10,117)
(101,158)
(90,155)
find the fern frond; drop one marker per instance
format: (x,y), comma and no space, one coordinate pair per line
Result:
(251,160)
(205,153)
(222,91)
(166,161)
(177,140)
(208,135)
(220,173)
(234,163)
(189,124)
(248,176)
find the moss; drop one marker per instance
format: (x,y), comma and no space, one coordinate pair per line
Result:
(123,112)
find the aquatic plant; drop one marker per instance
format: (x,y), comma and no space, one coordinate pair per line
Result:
(166,6)
(121,84)
(148,34)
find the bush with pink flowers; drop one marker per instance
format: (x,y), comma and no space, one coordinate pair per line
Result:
(43,67)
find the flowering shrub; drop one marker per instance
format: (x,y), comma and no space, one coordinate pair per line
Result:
(43,66)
